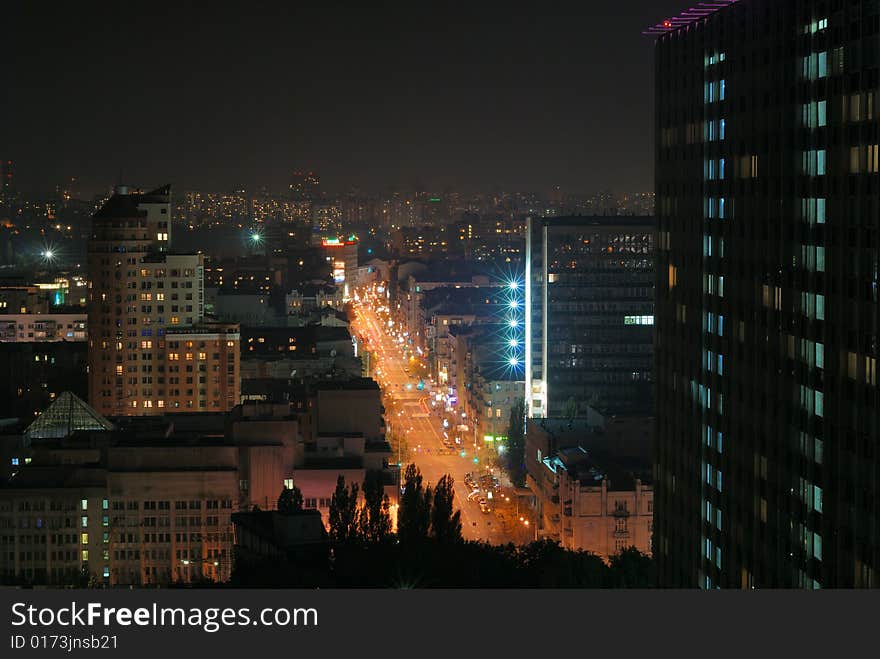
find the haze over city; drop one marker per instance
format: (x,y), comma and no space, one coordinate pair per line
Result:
(470,96)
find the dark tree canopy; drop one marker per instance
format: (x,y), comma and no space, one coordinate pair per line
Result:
(344,512)
(414,516)
(374,517)
(445,524)
(290,501)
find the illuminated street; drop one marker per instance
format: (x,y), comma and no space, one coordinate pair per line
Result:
(410,415)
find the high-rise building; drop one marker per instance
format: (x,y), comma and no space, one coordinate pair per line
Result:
(138,292)
(589,312)
(767,296)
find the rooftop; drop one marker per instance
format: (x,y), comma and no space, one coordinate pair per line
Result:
(286,531)
(647,221)
(121,206)
(688,16)
(66,415)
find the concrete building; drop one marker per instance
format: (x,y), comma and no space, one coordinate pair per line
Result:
(149,501)
(484,384)
(266,539)
(203,367)
(37,328)
(315,296)
(592,491)
(138,290)
(245,308)
(23,298)
(342,255)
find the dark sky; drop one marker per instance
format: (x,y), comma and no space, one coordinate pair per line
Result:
(470,95)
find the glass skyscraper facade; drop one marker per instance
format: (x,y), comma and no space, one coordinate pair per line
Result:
(767,296)
(590,300)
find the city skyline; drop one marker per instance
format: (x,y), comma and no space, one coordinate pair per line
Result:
(382,297)
(467,98)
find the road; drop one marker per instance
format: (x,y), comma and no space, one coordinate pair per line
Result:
(411,417)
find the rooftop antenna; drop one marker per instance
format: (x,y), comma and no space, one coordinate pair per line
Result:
(120,187)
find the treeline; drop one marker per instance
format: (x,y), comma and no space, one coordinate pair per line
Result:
(428,550)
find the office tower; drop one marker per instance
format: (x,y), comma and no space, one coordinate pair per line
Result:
(342,256)
(767,284)
(139,294)
(589,311)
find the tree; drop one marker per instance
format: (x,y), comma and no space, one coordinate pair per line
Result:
(414,516)
(515,451)
(290,501)
(445,525)
(374,517)
(632,569)
(343,512)
(571,409)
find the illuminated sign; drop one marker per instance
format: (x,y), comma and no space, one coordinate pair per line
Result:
(339,242)
(339,271)
(488,438)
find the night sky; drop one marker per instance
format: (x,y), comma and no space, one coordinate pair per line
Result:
(481,95)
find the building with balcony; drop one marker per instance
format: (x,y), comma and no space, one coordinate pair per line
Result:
(138,291)
(592,483)
(61,325)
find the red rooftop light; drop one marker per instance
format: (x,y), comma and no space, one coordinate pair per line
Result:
(688,16)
